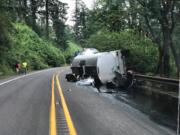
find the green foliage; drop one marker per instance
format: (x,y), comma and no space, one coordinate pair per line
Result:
(27,46)
(58,12)
(4,38)
(5,70)
(148,17)
(70,51)
(143,53)
(80,19)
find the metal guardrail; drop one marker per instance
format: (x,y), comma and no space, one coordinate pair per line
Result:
(162,80)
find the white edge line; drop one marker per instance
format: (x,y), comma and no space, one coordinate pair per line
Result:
(23,76)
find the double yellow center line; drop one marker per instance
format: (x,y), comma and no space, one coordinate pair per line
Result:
(53,130)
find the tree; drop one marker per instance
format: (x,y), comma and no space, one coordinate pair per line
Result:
(58,11)
(162,11)
(47,18)
(149,18)
(34,7)
(80,19)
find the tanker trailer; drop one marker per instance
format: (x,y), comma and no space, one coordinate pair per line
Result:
(104,67)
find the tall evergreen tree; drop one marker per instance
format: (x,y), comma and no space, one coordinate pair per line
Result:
(80,19)
(58,11)
(47,18)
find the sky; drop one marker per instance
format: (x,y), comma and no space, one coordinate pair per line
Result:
(71,5)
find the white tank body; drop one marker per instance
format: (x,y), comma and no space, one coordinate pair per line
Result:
(105,65)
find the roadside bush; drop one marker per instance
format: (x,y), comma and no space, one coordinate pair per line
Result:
(70,51)
(5,70)
(143,52)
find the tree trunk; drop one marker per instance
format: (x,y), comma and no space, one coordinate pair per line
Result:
(167,40)
(33,14)
(76,21)
(25,10)
(47,19)
(159,65)
(176,58)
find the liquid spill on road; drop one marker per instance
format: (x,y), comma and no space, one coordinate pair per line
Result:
(159,111)
(85,82)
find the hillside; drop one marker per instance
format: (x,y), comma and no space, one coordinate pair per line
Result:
(26,45)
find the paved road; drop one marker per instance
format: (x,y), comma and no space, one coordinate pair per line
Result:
(24,104)
(25,109)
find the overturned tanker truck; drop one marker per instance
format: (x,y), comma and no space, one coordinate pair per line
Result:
(104,67)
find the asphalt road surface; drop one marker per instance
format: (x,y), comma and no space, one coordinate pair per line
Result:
(25,106)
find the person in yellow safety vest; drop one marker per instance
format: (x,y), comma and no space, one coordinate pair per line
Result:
(24,66)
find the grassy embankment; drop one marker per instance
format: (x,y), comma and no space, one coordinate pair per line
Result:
(26,45)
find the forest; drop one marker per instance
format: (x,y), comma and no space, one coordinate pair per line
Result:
(36,31)
(148,28)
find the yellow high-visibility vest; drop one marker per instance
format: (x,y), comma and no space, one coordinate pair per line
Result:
(24,64)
